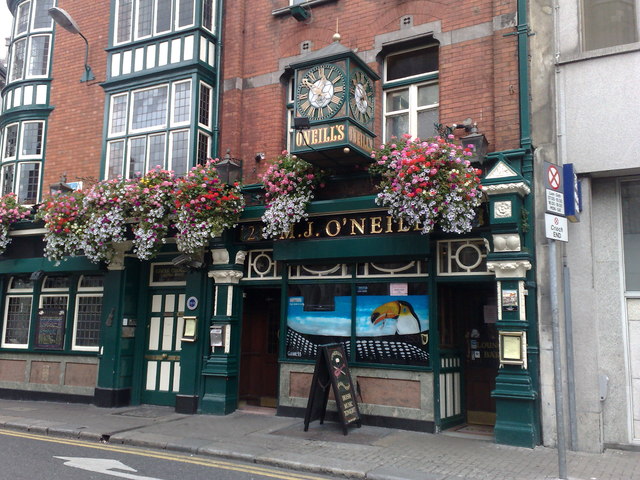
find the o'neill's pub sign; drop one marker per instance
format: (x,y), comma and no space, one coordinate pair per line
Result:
(351,225)
(335,91)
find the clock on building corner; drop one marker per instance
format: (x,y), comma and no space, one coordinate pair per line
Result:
(334,93)
(321,92)
(361,97)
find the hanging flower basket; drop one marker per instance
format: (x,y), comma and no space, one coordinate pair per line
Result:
(289,183)
(205,206)
(90,222)
(10,212)
(428,183)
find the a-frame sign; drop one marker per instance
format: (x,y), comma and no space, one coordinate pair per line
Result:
(332,372)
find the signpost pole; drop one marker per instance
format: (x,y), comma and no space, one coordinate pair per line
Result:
(557,367)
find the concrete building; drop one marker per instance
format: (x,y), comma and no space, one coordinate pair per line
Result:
(584,58)
(440,330)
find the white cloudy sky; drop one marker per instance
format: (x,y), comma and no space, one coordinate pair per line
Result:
(5,27)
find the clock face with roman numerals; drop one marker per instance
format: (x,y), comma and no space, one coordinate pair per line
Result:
(362,97)
(321,92)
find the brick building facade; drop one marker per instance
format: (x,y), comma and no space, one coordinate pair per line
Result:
(177,81)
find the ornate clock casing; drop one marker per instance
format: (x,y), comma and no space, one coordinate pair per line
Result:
(334,89)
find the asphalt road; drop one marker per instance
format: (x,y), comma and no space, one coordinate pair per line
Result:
(27,456)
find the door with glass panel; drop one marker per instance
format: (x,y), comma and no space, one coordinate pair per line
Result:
(161,380)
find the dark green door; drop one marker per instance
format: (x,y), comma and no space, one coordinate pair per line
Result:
(161,380)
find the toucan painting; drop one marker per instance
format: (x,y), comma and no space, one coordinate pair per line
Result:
(388,330)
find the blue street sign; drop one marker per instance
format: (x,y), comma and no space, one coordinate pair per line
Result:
(572,193)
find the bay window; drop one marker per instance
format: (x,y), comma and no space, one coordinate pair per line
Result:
(151,127)
(141,19)
(21,160)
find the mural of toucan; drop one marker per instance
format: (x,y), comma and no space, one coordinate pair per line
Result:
(406,319)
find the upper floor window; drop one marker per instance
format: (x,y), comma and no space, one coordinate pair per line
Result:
(21,160)
(152,127)
(411,93)
(140,19)
(30,57)
(33,15)
(607,23)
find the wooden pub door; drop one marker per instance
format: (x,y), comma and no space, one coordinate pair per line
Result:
(259,348)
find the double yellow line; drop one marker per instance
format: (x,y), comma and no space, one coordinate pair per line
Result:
(264,471)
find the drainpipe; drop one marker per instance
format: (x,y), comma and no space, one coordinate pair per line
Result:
(218,81)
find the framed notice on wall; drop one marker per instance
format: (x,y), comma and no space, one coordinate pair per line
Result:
(50,328)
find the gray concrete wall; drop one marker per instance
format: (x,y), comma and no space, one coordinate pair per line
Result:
(580,113)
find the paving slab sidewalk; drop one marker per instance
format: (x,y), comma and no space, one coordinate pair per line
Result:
(371,453)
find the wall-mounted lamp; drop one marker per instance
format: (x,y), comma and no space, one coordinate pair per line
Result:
(301,123)
(229,169)
(299,12)
(260,156)
(63,19)
(186,261)
(476,139)
(61,186)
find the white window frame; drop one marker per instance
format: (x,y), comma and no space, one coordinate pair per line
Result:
(209,119)
(136,15)
(19,176)
(22,130)
(27,73)
(4,343)
(116,24)
(2,186)
(50,289)
(145,163)
(55,293)
(148,160)
(4,142)
(170,155)
(413,109)
(176,19)
(33,19)
(155,18)
(174,85)
(208,137)
(96,293)
(132,104)
(12,63)
(126,119)
(410,77)
(108,156)
(214,4)
(15,22)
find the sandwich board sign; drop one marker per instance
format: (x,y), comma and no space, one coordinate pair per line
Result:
(332,373)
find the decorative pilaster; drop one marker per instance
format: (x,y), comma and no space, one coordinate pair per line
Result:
(221,369)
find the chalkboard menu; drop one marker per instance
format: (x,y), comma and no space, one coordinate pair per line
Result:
(50,328)
(332,372)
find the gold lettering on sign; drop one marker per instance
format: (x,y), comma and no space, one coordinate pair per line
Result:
(323,227)
(337,228)
(309,232)
(360,139)
(375,225)
(401,227)
(355,225)
(320,135)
